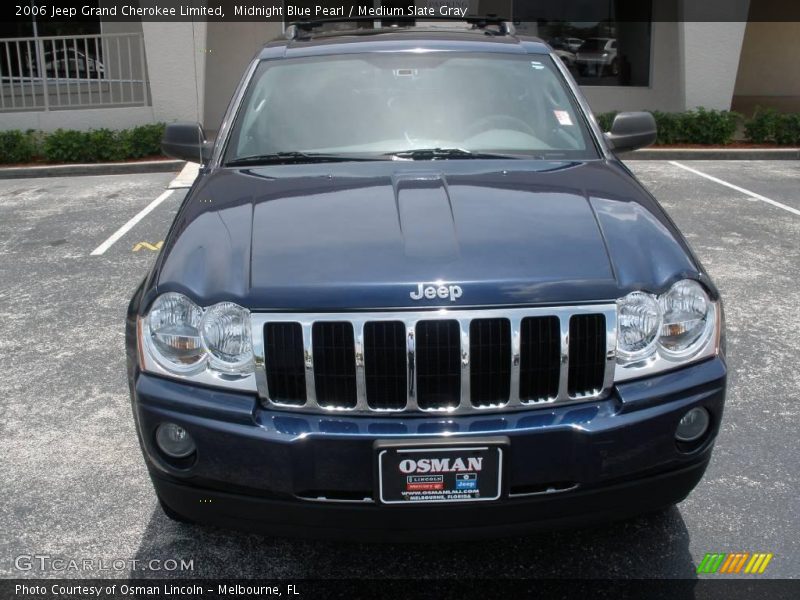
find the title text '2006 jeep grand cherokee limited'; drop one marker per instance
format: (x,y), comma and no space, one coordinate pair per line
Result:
(414,291)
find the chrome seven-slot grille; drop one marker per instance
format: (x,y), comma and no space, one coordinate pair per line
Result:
(455,361)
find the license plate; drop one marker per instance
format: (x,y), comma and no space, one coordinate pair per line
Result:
(440,472)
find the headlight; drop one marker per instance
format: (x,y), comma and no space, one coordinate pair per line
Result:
(172,333)
(226,336)
(656,334)
(210,346)
(638,322)
(686,323)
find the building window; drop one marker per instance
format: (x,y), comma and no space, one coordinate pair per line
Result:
(47,65)
(605,47)
(62,54)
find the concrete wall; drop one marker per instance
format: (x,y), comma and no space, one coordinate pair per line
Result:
(709,59)
(229,48)
(769,61)
(92,118)
(176,65)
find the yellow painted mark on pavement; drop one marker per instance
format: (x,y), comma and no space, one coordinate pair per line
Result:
(148,246)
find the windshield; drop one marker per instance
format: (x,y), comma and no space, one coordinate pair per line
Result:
(382,104)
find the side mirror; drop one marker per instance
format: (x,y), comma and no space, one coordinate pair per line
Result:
(632,130)
(186,141)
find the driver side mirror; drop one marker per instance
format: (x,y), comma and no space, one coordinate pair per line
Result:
(632,130)
(187,141)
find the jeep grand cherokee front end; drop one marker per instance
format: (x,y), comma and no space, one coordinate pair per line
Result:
(413,292)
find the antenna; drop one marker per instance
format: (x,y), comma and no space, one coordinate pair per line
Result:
(197,90)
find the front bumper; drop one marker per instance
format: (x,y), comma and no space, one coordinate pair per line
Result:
(281,472)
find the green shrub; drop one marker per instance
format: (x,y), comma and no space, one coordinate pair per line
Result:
(96,145)
(102,145)
(703,126)
(699,126)
(16,146)
(762,127)
(787,130)
(605,120)
(768,125)
(670,126)
(65,145)
(142,141)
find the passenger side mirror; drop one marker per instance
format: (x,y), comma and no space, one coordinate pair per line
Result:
(632,130)
(186,141)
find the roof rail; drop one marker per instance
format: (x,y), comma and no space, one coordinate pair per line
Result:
(304,28)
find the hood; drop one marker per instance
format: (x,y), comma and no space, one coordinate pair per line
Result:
(377,234)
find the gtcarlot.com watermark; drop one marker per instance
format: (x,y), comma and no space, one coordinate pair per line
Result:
(59,564)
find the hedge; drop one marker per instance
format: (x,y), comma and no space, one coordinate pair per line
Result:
(17,147)
(718,127)
(769,126)
(67,145)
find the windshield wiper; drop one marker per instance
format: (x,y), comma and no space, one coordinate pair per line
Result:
(444,154)
(282,158)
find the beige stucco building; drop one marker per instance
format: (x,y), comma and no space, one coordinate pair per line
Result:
(166,71)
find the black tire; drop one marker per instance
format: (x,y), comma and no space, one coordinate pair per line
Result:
(615,67)
(175,516)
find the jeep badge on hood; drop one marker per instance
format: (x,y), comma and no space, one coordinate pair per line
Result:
(430,292)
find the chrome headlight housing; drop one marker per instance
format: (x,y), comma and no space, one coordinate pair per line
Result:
(687,319)
(211,346)
(638,324)
(225,333)
(659,333)
(172,334)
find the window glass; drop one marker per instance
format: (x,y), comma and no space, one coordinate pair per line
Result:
(386,102)
(607,47)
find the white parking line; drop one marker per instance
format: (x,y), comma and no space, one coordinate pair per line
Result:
(129,225)
(186,177)
(744,191)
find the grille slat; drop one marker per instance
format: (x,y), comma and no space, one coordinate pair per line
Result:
(285,364)
(540,356)
(438,364)
(385,364)
(334,364)
(587,354)
(490,361)
(462,361)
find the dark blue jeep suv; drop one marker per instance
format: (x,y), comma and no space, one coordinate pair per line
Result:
(413,292)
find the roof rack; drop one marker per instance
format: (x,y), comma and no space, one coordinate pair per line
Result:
(304,29)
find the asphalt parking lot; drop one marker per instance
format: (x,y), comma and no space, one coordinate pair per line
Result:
(75,486)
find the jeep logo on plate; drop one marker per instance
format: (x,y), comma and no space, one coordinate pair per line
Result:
(430,292)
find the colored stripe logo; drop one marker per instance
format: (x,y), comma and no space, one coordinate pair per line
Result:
(735,563)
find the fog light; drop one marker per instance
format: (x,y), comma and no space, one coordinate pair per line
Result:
(693,425)
(174,440)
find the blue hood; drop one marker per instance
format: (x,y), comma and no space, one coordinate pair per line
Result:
(365,235)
